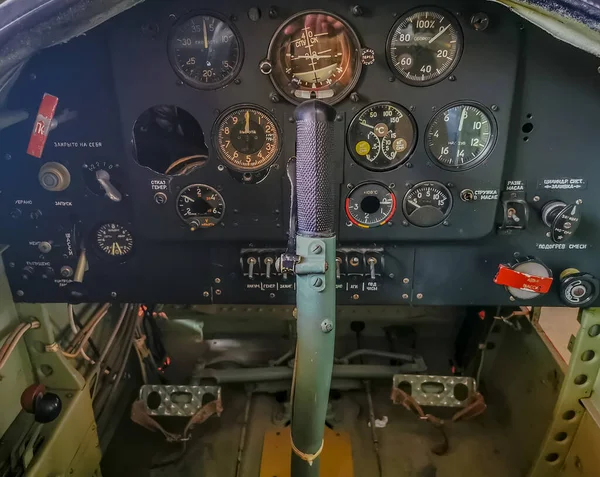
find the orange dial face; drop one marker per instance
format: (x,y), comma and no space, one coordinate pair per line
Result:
(247,139)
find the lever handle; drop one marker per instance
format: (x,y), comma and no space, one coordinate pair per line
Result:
(268,263)
(314,168)
(111,191)
(372,262)
(251,263)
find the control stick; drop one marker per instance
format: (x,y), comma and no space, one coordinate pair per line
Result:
(315,268)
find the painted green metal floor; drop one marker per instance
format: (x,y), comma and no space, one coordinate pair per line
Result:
(480,448)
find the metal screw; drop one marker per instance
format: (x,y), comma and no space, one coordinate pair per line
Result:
(451,78)
(7,156)
(339,117)
(495,107)
(357,11)
(419,296)
(291,119)
(408,165)
(11,264)
(217,280)
(354,97)
(69,395)
(217,292)
(317,282)
(273,13)
(271,295)
(405,296)
(406,280)
(274,97)
(548,234)
(113,294)
(405,223)
(220,168)
(445,223)
(480,21)
(391,276)
(237,81)
(316,248)
(391,79)
(349,186)
(172,17)
(579,201)
(326,326)
(355,296)
(348,224)
(205,294)
(536,198)
(512,298)
(20,293)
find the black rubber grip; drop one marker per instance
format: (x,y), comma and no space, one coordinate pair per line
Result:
(314,169)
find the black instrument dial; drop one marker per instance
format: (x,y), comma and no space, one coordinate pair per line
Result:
(461,136)
(424,46)
(247,139)
(370,205)
(427,204)
(114,240)
(382,136)
(200,206)
(314,55)
(205,51)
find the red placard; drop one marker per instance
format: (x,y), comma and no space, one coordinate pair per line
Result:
(523,281)
(41,128)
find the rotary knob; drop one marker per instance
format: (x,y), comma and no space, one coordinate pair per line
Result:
(578,289)
(563,219)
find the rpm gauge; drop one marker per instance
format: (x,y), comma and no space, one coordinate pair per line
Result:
(382,136)
(247,138)
(370,205)
(427,204)
(200,206)
(314,55)
(460,136)
(424,46)
(114,240)
(206,52)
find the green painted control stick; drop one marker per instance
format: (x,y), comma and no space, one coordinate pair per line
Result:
(315,284)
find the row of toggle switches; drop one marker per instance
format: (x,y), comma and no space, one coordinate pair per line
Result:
(349,261)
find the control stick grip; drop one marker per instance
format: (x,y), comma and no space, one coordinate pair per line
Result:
(314,168)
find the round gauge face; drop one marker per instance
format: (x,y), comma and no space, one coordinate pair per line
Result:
(424,46)
(382,136)
(91,181)
(114,240)
(370,205)
(200,206)
(315,55)
(427,204)
(205,51)
(460,136)
(247,139)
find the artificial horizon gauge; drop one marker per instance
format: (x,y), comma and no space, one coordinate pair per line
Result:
(427,204)
(114,240)
(205,50)
(460,136)
(424,46)
(314,55)
(247,138)
(382,136)
(200,206)
(370,205)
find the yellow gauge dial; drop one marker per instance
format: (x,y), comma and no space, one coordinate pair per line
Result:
(114,240)
(247,139)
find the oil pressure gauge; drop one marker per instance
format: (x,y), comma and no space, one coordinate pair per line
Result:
(370,205)
(200,206)
(427,204)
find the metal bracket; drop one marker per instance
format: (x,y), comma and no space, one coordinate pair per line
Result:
(440,391)
(578,385)
(179,401)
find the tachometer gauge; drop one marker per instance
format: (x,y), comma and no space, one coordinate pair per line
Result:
(370,205)
(424,46)
(314,55)
(247,138)
(460,136)
(205,51)
(382,136)
(200,206)
(427,204)
(114,240)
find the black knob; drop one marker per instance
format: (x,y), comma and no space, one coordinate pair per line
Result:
(28,272)
(578,289)
(44,406)
(562,219)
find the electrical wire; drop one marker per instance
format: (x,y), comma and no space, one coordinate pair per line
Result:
(75,330)
(13,339)
(82,337)
(187,159)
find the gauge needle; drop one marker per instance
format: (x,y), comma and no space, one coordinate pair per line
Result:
(205,35)
(119,251)
(440,33)
(367,125)
(188,199)
(247,130)
(412,202)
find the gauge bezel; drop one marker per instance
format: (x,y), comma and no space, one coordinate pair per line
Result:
(459,47)
(189,186)
(358,63)
(423,184)
(215,137)
(484,154)
(415,137)
(177,68)
(380,224)
(101,254)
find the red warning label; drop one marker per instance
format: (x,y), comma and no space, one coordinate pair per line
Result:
(41,128)
(523,281)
